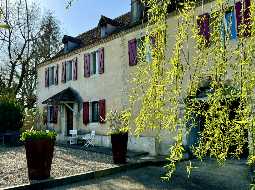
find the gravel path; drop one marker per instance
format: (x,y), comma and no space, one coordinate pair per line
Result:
(66,161)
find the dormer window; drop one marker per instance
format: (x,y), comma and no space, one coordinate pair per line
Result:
(107,26)
(71,43)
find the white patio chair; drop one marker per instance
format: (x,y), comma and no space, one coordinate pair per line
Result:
(89,139)
(73,139)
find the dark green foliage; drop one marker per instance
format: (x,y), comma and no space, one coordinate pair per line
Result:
(11,114)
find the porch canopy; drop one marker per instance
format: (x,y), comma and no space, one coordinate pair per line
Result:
(67,95)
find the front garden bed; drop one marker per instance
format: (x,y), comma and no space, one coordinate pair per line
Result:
(66,162)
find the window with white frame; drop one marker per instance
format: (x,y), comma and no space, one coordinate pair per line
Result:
(50,114)
(51,76)
(69,70)
(94,63)
(94,111)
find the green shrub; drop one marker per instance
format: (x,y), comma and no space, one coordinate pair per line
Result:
(11,114)
(37,135)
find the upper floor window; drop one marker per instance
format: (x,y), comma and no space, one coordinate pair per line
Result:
(94,63)
(230,24)
(138,45)
(234,18)
(51,76)
(69,70)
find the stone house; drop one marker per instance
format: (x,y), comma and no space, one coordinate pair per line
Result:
(88,77)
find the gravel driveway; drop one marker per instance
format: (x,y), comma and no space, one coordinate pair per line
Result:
(66,161)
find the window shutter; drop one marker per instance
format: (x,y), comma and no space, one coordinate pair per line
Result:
(87,65)
(132,52)
(247,18)
(101,60)
(204,27)
(85,113)
(75,69)
(153,41)
(238,8)
(102,111)
(56,75)
(46,77)
(55,114)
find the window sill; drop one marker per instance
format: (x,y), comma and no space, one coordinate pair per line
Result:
(94,76)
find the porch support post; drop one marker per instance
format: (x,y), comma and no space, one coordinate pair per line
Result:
(75,116)
(62,120)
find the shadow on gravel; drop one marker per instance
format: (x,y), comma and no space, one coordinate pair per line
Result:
(208,176)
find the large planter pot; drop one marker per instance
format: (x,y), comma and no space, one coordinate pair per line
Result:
(39,155)
(119,147)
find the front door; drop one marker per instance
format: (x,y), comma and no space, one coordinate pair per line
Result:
(69,119)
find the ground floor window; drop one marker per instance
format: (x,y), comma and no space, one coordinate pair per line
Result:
(95,111)
(50,114)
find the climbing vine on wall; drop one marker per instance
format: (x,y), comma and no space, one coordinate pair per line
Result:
(167,88)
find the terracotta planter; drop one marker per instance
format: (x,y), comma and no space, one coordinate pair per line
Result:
(39,155)
(119,147)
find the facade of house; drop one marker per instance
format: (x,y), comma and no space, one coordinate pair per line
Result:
(89,76)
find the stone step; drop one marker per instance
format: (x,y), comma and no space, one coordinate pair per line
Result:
(102,150)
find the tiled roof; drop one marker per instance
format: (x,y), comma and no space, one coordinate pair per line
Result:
(92,36)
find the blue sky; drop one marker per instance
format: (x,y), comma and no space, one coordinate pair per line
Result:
(84,14)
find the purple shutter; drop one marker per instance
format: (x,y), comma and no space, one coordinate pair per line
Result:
(101,60)
(132,52)
(75,69)
(204,27)
(153,41)
(238,7)
(247,17)
(87,65)
(55,114)
(56,75)
(243,17)
(85,113)
(102,111)
(46,77)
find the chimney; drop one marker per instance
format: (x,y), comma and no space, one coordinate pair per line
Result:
(137,9)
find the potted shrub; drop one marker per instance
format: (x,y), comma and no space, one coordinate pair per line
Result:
(39,147)
(119,125)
